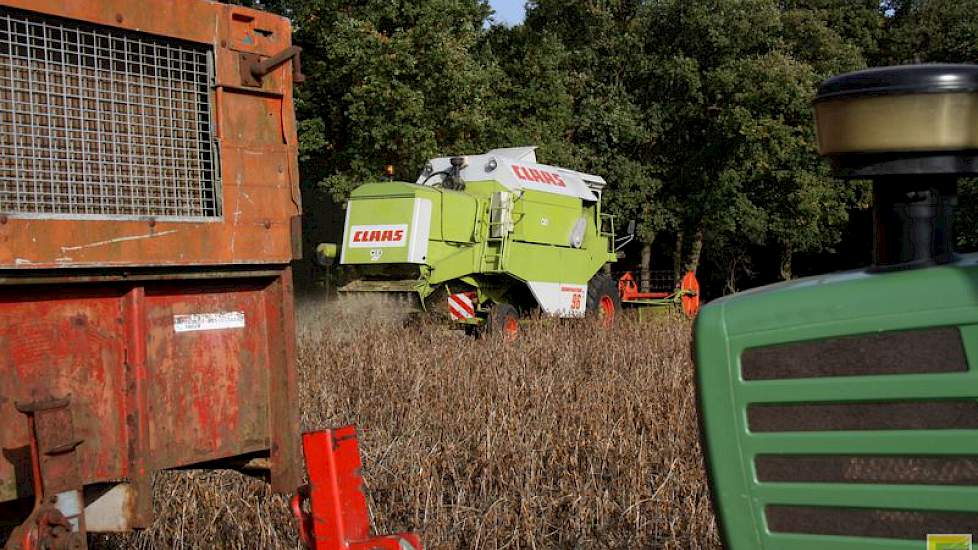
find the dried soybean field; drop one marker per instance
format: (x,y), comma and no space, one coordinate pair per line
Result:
(572,437)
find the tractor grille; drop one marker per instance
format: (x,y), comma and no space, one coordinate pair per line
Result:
(907,352)
(103,123)
(890,524)
(866,437)
(899,470)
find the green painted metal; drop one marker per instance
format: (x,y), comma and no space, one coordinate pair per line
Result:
(462,252)
(817,308)
(655,308)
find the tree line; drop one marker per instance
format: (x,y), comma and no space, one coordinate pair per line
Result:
(697,112)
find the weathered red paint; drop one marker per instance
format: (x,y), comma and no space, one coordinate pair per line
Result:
(145,397)
(54,461)
(259,154)
(87,307)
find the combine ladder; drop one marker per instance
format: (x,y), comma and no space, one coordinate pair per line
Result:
(500,226)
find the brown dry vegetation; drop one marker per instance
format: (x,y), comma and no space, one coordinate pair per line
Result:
(572,437)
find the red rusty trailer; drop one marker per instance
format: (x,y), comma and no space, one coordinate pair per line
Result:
(149,210)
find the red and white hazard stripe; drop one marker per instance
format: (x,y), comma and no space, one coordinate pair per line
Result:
(462,305)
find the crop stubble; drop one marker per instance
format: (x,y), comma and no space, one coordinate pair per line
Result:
(572,437)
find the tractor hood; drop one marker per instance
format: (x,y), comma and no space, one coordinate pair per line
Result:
(516,169)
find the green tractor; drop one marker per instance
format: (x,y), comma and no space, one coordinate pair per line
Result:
(840,412)
(485,239)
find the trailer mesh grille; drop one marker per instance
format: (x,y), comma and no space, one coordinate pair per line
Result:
(103,123)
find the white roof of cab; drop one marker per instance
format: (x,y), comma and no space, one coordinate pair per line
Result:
(516,168)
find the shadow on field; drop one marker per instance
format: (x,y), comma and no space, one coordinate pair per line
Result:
(572,437)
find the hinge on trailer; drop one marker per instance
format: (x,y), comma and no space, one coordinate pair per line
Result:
(58,519)
(253,69)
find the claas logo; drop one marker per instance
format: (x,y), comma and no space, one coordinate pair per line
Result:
(538,176)
(374,236)
(377,236)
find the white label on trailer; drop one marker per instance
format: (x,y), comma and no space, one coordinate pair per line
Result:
(208,321)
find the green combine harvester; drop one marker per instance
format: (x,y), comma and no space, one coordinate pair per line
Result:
(485,239)
(840,412)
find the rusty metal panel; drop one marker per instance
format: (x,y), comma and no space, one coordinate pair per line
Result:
(58,341)
(207,363)
(160,374)
(164,312)
(245,137)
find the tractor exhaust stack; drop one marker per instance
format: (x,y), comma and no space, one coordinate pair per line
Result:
(911,130)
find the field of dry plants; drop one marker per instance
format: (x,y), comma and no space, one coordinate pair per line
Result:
(572,437)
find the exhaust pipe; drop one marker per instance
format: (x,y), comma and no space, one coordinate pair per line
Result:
(913,131)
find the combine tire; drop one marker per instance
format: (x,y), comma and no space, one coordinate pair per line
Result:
(503,321)
(603,300)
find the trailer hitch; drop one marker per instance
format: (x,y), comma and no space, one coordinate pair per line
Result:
(57,521)
(253,68)
(332,509)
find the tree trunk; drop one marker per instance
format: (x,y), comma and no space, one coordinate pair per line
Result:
(695,249)
(677,258)
(645,277)
(786,263)
(731,286)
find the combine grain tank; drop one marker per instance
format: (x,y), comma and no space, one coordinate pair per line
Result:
(149,209)
(841,411)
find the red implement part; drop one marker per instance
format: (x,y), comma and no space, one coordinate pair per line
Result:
(691,295)
(628,289)
(607,311)
(338,517)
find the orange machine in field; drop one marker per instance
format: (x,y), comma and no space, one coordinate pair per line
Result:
(149,210)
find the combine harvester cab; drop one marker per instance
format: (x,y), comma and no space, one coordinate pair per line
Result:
(841,411)
(149,212)
(484,239)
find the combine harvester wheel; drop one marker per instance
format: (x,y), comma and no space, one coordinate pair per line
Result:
(603,299)
(503,320)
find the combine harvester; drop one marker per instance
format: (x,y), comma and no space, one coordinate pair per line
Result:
(487,238)
(149,211)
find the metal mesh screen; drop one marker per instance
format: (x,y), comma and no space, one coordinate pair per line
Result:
(103,123)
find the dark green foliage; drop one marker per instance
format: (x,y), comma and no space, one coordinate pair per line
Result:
(931,31)
(390,83)
(697,112)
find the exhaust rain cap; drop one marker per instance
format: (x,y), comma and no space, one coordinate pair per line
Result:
(913,119)
(912,130)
